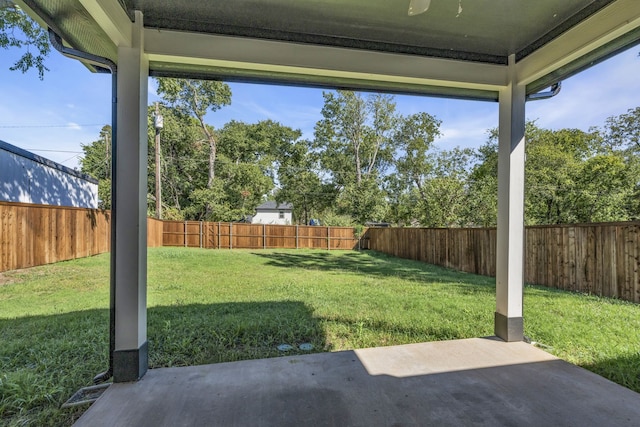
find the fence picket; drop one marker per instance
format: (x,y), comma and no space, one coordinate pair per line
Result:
(600,259)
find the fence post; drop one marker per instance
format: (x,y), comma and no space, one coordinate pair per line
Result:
(296,236)
(200,234)
(230,235)
(264,236)
(185,234)
(218,235)
(328,238)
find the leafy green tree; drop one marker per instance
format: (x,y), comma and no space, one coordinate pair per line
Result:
(355,134)
(555,160)
(444,192)
(183,155)
(622,134)
(623,131)
(96,163)
(402,201)
(247,162)
(18,30)
(570,176)
(604,187)
(363,201)
(482,186)
(300,183)
(196,98)
(354,140)
(414,140)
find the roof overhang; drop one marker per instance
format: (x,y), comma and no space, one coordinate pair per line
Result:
(357,44)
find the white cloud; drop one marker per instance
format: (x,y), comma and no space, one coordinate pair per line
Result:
(74,126)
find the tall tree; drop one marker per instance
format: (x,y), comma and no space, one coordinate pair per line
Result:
(247,157)
(570,176)
(623,131)
(482,187)
(18,30)
(414,139)
(96,162)
(355,134)
(444,195)
(196,98)
(184,153)
(355,142)
(299,181)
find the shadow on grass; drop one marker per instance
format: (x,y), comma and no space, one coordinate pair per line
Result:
(45,359)
(211,333)
(624,370)
(370,263)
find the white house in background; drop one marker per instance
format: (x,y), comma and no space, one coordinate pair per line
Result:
(28,178)
(273,213)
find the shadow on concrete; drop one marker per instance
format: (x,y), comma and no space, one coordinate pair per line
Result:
(469,382)
(373,264)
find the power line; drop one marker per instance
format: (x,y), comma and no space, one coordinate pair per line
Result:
(54,151)
(73,125)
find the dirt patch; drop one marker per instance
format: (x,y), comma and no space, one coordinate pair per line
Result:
(6,279)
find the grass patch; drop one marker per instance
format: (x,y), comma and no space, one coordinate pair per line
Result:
(209,306)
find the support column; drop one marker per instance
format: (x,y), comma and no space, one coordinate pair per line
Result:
(510,244)
(130,356)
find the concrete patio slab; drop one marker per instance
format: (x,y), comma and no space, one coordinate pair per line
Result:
(480,382)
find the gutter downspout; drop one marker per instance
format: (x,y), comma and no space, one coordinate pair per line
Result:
(103,65)
(554,90)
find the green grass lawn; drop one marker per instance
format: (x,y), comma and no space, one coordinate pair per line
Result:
(208,306)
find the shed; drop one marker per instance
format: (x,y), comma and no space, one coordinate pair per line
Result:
(272,212)
(28,178)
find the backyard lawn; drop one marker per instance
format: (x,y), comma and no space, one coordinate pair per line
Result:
(208,306)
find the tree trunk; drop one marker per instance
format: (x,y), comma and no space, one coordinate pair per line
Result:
(212,161)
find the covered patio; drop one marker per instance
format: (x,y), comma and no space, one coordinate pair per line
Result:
(479,382)
(506,51)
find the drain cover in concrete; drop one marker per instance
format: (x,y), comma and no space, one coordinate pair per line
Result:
(285,347)
(86,395)
(306,346)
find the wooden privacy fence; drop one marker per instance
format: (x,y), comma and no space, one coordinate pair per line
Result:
(38,234)
(32,235)
(600,259)
(228,235)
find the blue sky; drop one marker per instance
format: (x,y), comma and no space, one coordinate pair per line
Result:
(55,116)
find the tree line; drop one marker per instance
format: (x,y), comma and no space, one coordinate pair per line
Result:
(365,163)
(368,163)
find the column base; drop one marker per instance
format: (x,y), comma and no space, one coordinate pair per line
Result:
(508,328)
(130,365)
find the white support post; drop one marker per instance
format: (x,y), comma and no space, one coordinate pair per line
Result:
(510,244)
(130,356)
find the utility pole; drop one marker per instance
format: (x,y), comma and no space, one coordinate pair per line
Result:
(107,165)
(158,123)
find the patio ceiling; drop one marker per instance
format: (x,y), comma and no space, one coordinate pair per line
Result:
(456,48)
